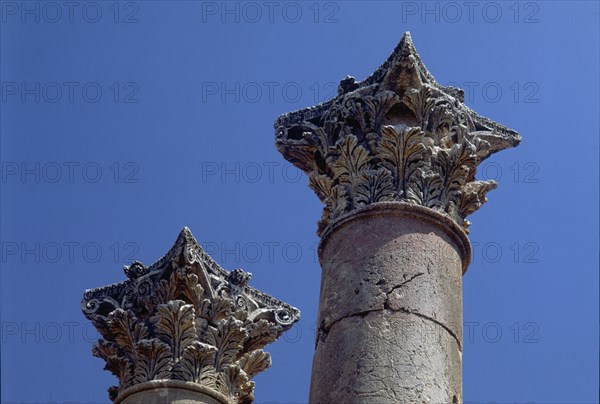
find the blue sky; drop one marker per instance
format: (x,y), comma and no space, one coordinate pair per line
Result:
(122,122)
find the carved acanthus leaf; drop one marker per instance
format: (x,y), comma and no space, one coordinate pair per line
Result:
(352,161)
(374,186)
(378,106)
(456,167)
(421,102)
(260,334)
(339,201)
(155,361)
(255,362)
(117,364)
(127,330)
(321,184)
(401,151)
(216,309)
(425,189)
(228,337)
(474,196)
(190,288)
(197,364)
(166,290)
(230,382)
(174,324)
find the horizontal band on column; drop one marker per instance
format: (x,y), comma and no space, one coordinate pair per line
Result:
(404,209)
(171,384)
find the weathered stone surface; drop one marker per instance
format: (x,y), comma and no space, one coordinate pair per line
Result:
(396,136)
(390,315)
(185,319)
(387,358)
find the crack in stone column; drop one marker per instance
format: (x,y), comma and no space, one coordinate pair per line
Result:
(393,289)
(433,320)
(324,331)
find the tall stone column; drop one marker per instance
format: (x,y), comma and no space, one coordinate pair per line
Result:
(393,158)
(184,330)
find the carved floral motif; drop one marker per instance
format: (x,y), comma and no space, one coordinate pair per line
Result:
(396,136)
(185,318)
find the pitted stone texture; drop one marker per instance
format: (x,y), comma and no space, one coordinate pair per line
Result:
(387,357)
(390,308)
(388,259)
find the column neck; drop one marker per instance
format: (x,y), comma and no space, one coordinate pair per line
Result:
(402,209)
(167,391)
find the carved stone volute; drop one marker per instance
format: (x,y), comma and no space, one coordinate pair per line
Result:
(186,319)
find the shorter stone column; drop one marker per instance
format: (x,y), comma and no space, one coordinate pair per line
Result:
(184,330)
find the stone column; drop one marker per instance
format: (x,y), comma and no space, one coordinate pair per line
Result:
(393,158)
(184,330)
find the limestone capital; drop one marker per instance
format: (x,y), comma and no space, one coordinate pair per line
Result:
(396,136)
(187,320)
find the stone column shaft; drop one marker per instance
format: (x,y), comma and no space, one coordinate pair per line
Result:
(390,314)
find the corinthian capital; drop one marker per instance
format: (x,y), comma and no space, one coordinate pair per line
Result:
(396,136)
(186,320)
